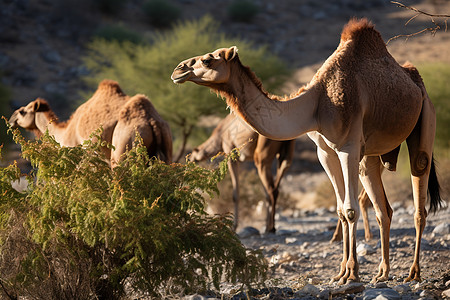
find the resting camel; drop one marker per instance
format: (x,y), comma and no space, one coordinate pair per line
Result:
(232,133)
(119,115)
(358,108)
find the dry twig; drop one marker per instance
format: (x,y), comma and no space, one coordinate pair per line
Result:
(419,12)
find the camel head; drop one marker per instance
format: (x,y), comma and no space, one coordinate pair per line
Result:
(209,69)
(25,116)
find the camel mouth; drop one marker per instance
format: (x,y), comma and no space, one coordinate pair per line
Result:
(181,78)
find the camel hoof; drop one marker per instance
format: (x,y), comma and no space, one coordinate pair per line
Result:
(415,278)
(379,279)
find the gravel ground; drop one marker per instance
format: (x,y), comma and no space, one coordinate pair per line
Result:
(302,260)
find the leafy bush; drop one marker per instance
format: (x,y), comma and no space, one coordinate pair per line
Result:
(435,77)
(119,33)
(242,10)
(161,13)
(82,230)
(147,68)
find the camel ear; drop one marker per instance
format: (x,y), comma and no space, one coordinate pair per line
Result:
(231,53)
(36,105)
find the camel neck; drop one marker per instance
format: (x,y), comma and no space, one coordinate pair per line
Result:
(273,118)
(55,128)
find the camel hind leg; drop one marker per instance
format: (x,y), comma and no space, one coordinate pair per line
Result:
(420,147)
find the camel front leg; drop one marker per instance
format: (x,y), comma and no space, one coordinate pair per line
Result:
(370,176)
(331,164)
(233,166)
(349,158)
(364,202)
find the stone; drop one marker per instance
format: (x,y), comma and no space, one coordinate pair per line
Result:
(325,294)
(446,293)
(381,285)
(381,294)
(51,56)
(364,249)
(314,280)
(402,288)
(442,229)
(248,232)
(311,290)
(291,240)
(351,288)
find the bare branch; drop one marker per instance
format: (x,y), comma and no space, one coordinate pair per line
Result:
(419,12)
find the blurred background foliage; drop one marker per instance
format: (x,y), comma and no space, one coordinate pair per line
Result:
(146,68)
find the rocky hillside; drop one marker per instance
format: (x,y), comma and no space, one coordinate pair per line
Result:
(41,41)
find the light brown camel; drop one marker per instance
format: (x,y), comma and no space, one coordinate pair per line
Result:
(119,115)
(358,108)
(232,133)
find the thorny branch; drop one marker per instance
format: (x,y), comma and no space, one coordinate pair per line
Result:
(419,12)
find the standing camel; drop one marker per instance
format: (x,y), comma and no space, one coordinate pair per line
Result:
(119,115)
(233,133)
(358,108)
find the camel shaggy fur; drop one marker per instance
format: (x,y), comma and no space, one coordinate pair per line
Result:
(119,115)
(358,108)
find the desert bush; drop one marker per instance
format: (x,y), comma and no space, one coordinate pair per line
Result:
(242,10)
(161,13)
(146,68)
(119,33)
(84,231)
(435,77)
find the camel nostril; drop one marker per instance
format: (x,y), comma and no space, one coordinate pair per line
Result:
(191,63)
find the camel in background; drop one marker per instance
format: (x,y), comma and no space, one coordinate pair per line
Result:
(232,133)
(358,109)
(119,115)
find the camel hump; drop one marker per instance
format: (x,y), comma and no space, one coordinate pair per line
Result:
(138,106)
(109,87)
(367,40)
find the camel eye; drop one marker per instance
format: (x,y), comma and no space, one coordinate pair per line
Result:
(206,62)
(22,112)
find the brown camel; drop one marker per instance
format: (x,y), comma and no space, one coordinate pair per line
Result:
(119,115)
(232,133)
(358,108)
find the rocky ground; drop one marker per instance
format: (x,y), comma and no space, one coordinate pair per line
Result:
(41,45)
(302,260)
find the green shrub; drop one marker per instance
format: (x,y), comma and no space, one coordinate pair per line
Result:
(436,78)
(161,13)
(119,33)
(82,230)
(242,10)
(146,68)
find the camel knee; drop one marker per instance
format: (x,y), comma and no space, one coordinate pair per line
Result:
(352,215)
(420,163)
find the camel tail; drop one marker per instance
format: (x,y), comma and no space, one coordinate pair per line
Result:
(434,189)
